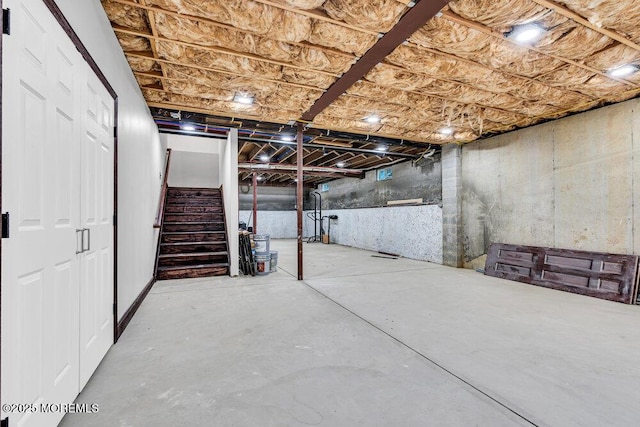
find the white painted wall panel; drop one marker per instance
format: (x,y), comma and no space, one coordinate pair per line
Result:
(229,179)
(195,144)
(189,169)
(195,160)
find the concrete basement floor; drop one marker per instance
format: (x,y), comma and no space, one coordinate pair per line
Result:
(367,341)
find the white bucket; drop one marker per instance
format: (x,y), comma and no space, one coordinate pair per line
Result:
(262,243)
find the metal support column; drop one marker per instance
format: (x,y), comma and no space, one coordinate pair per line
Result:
(255,203)
(299,194)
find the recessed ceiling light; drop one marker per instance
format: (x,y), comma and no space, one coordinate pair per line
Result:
(265,157)
(528,33)
(373,119)
(446,130)
(340,164)
(623,71)
(243,99)
(188,127)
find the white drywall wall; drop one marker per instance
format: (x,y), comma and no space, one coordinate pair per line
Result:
(141,154)
(229,179)
(194,144)
(190,169)
(195,160)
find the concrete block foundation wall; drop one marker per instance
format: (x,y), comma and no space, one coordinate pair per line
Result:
(571,183)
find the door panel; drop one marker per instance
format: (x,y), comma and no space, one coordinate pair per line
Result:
(31,322)
(612,277)
(33,103)
(96,290)
(44,282)
(40,269)
(62,358)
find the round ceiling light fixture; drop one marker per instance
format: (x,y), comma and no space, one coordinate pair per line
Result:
(373,119)
(447,131)
(526,34)
(623,71)
(244,99)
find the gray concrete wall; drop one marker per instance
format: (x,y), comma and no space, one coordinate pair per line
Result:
(269,198)
(420,182)
(410,231)
(365,222)
(452,218)
(277,224)
(569,184)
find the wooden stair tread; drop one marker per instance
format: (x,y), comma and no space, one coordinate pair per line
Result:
(185,214)
(194,188)
(197,242)
(193,254)
(193,232)
(193,267)
(193,222)
(193,239)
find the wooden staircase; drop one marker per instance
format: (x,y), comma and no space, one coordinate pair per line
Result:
(193,240)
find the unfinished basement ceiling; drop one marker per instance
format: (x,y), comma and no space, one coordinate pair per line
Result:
(269,149)
(462,76)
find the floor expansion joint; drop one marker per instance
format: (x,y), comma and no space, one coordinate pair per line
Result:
(425,357)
